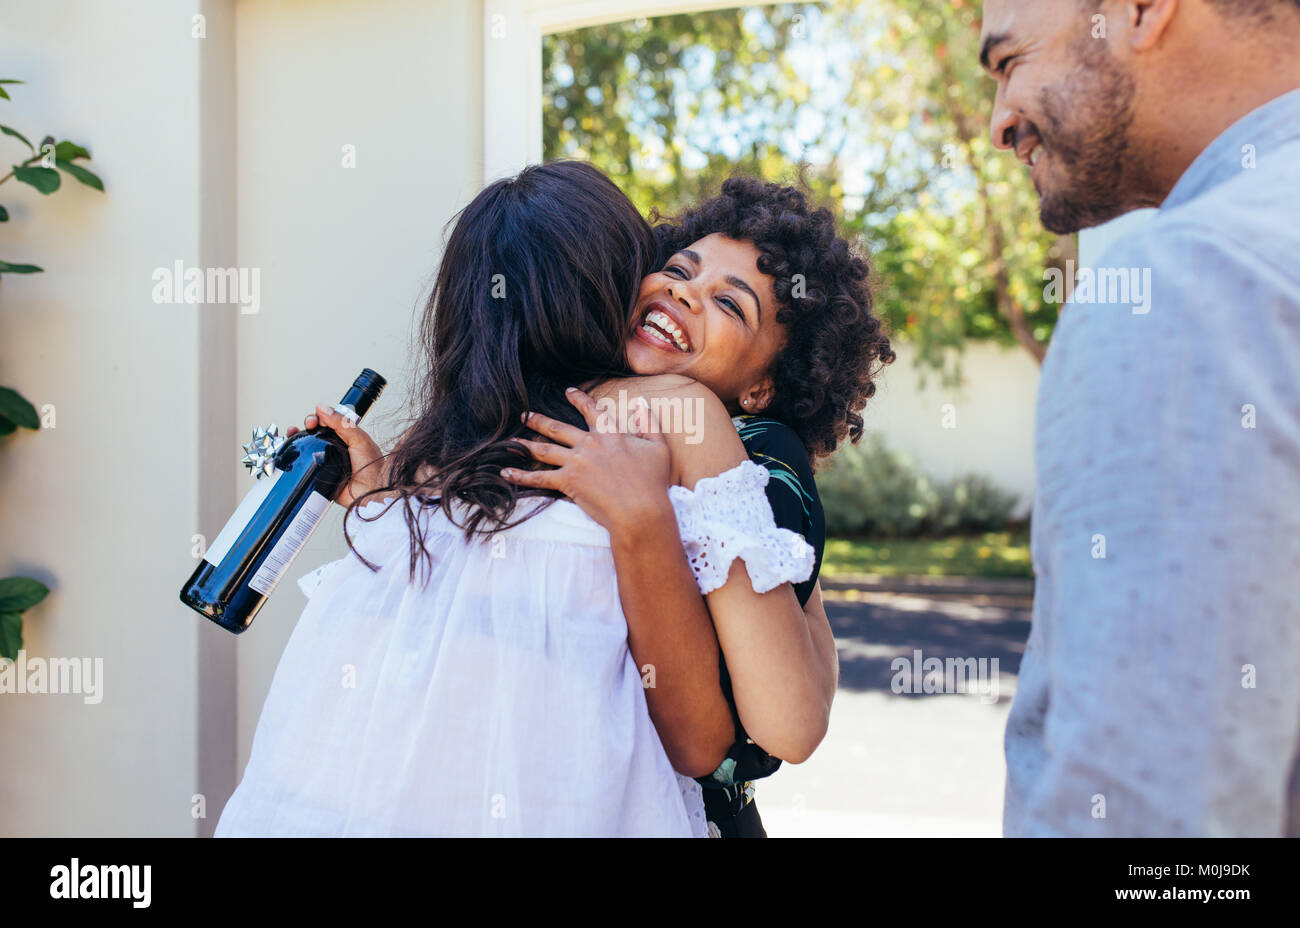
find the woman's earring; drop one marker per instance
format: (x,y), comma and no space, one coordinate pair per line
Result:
(745,401)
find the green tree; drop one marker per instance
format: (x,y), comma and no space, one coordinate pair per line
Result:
(976,220)
(652,102)
(880,109)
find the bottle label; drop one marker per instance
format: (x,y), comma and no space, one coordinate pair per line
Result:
(286,549)
(236,524)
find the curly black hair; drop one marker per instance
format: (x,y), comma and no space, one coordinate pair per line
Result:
(835,345)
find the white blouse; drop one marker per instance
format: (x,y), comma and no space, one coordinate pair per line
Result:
(498,699)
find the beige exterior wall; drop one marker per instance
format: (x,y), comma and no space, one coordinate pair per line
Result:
(988,429)
(346,252)
(219,151)
(106,527)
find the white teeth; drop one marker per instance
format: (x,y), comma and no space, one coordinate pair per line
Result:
(656,335)
(663,321)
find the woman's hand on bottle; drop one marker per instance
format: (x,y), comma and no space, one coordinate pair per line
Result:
(619,479)
(363,451)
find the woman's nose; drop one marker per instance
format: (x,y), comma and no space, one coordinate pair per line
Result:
(677,292)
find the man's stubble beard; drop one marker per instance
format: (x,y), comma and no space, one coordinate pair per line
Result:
(1088,139)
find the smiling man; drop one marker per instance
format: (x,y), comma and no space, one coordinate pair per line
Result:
(1160,690)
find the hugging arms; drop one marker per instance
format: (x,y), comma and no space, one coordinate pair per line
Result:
(781,656)
(756,315)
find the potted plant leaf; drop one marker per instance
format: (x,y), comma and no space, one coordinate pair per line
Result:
(40,170)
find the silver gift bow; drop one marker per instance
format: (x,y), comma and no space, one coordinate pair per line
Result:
(259,454)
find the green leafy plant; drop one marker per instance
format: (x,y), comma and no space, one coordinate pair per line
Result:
(974,503)
(18,594)
(38,171)
(870,489)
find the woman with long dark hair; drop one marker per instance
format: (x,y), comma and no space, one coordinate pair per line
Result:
(466,669)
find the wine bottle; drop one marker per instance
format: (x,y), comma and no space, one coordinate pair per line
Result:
(253,552)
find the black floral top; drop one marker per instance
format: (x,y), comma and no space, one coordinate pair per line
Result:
(796,506)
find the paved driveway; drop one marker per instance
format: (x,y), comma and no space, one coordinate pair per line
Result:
(906,764)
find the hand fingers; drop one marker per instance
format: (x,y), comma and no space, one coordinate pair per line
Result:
(347,429)
(585,405)
(547,479)
(553,429)
(309,421)
(547,452)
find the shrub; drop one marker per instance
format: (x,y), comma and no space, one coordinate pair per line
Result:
(973,503)
(869,489)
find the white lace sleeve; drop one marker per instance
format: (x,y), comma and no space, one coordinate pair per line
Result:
(728,517)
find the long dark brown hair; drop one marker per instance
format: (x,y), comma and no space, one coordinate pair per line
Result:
(534,294)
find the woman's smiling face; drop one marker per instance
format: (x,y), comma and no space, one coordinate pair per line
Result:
(710,314)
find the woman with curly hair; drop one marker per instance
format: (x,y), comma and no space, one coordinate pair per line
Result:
(759,299)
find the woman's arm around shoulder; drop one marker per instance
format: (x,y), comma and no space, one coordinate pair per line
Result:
(781,658)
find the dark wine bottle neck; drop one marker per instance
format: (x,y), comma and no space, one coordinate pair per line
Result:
(363,392)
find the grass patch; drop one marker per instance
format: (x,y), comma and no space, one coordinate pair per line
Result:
(992,554)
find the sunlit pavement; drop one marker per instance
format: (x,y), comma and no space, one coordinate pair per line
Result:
(906,765)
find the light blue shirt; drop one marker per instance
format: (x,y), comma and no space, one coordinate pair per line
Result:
(1160,690)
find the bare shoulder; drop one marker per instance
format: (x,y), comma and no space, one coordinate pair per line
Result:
(650,385)
(672,395)
(693,422)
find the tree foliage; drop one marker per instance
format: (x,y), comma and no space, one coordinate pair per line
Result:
(881,110)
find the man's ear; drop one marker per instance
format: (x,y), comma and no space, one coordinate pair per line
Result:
(1148,20)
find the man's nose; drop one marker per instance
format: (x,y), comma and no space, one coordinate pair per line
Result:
(1002,128)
